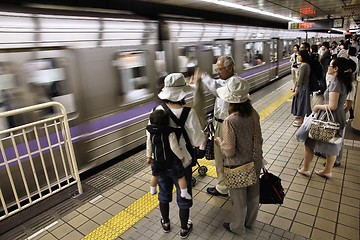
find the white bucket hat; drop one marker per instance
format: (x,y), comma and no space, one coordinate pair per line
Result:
(236,90)
(175,88)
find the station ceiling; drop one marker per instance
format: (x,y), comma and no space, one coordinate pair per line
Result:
(297,9)
(230,11)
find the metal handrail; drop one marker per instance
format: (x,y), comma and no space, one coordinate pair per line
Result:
(54,161)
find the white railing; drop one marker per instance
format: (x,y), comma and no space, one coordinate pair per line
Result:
(37,159)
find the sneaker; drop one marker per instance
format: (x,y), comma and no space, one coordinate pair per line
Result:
(165,226)
(184,233)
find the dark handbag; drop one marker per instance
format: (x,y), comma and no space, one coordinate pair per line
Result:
(210,130)
(271,190)
(209,150)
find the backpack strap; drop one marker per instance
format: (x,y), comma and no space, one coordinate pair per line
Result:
(179,122)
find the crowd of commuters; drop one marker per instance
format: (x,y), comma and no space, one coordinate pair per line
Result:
(173,127)
(336,81)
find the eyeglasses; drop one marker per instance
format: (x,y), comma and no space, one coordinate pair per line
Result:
(219,69)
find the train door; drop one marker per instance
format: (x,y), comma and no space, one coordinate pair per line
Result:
(206,57)
(274,70)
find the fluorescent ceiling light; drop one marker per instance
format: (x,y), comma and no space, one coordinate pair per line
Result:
(249,9)
(338,30)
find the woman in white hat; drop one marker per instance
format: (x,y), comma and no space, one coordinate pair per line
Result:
(241,143)
(173,96)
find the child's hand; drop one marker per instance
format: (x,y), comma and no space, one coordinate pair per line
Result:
(149,160)
(217,140)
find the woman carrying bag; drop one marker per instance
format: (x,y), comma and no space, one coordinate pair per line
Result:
(241,144)
(334,100)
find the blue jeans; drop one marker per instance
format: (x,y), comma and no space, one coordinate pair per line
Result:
(167,180)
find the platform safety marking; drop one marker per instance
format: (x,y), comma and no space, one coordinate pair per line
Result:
(136,211)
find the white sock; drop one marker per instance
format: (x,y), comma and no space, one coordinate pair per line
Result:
(184,194)
(153,190)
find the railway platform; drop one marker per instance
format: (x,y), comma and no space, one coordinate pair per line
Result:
(116,203)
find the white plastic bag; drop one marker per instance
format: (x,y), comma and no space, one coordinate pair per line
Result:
(303,131)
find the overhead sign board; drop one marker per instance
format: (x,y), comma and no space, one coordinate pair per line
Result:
(312,25)
(351,10)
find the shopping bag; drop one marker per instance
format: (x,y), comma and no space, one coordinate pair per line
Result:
(303,131)
(271,190)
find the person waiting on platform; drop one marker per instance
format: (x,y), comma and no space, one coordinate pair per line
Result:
(225,67)
(241,142)
(301,104)
(167,152)
(294,65)
(334,100)
(173,95)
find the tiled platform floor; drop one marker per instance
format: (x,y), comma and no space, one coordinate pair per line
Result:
(314,208)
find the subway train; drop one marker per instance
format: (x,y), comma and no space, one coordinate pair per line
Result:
(107,72)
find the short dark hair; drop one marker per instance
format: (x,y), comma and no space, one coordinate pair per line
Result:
(306,45)
(326,44)
(159,117)
(244,109)
(304,55)
(344,75)
(352,51)
(314,48)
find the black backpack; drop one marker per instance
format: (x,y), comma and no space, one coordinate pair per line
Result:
(180,122)
(163,155)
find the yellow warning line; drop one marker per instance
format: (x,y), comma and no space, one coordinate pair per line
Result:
(125,219)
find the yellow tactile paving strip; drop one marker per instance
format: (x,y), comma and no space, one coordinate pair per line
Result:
(125,219)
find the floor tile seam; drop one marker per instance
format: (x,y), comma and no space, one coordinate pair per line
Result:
(303,195)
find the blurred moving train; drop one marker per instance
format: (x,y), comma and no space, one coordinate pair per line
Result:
(107,71)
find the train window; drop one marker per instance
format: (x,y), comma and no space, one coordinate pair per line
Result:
(187,60)
(47,80)
(286,49)
(273,50)
(217,50)
(253,55)
(161,68)
(222,48)
(134,83)
(227,49)
(12,96)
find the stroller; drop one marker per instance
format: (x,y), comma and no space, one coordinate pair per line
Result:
(208,153)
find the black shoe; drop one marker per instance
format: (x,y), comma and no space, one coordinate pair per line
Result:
(335,164)
(227,226)
(214,192)
(165,226)
(319,155)
(185,233)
